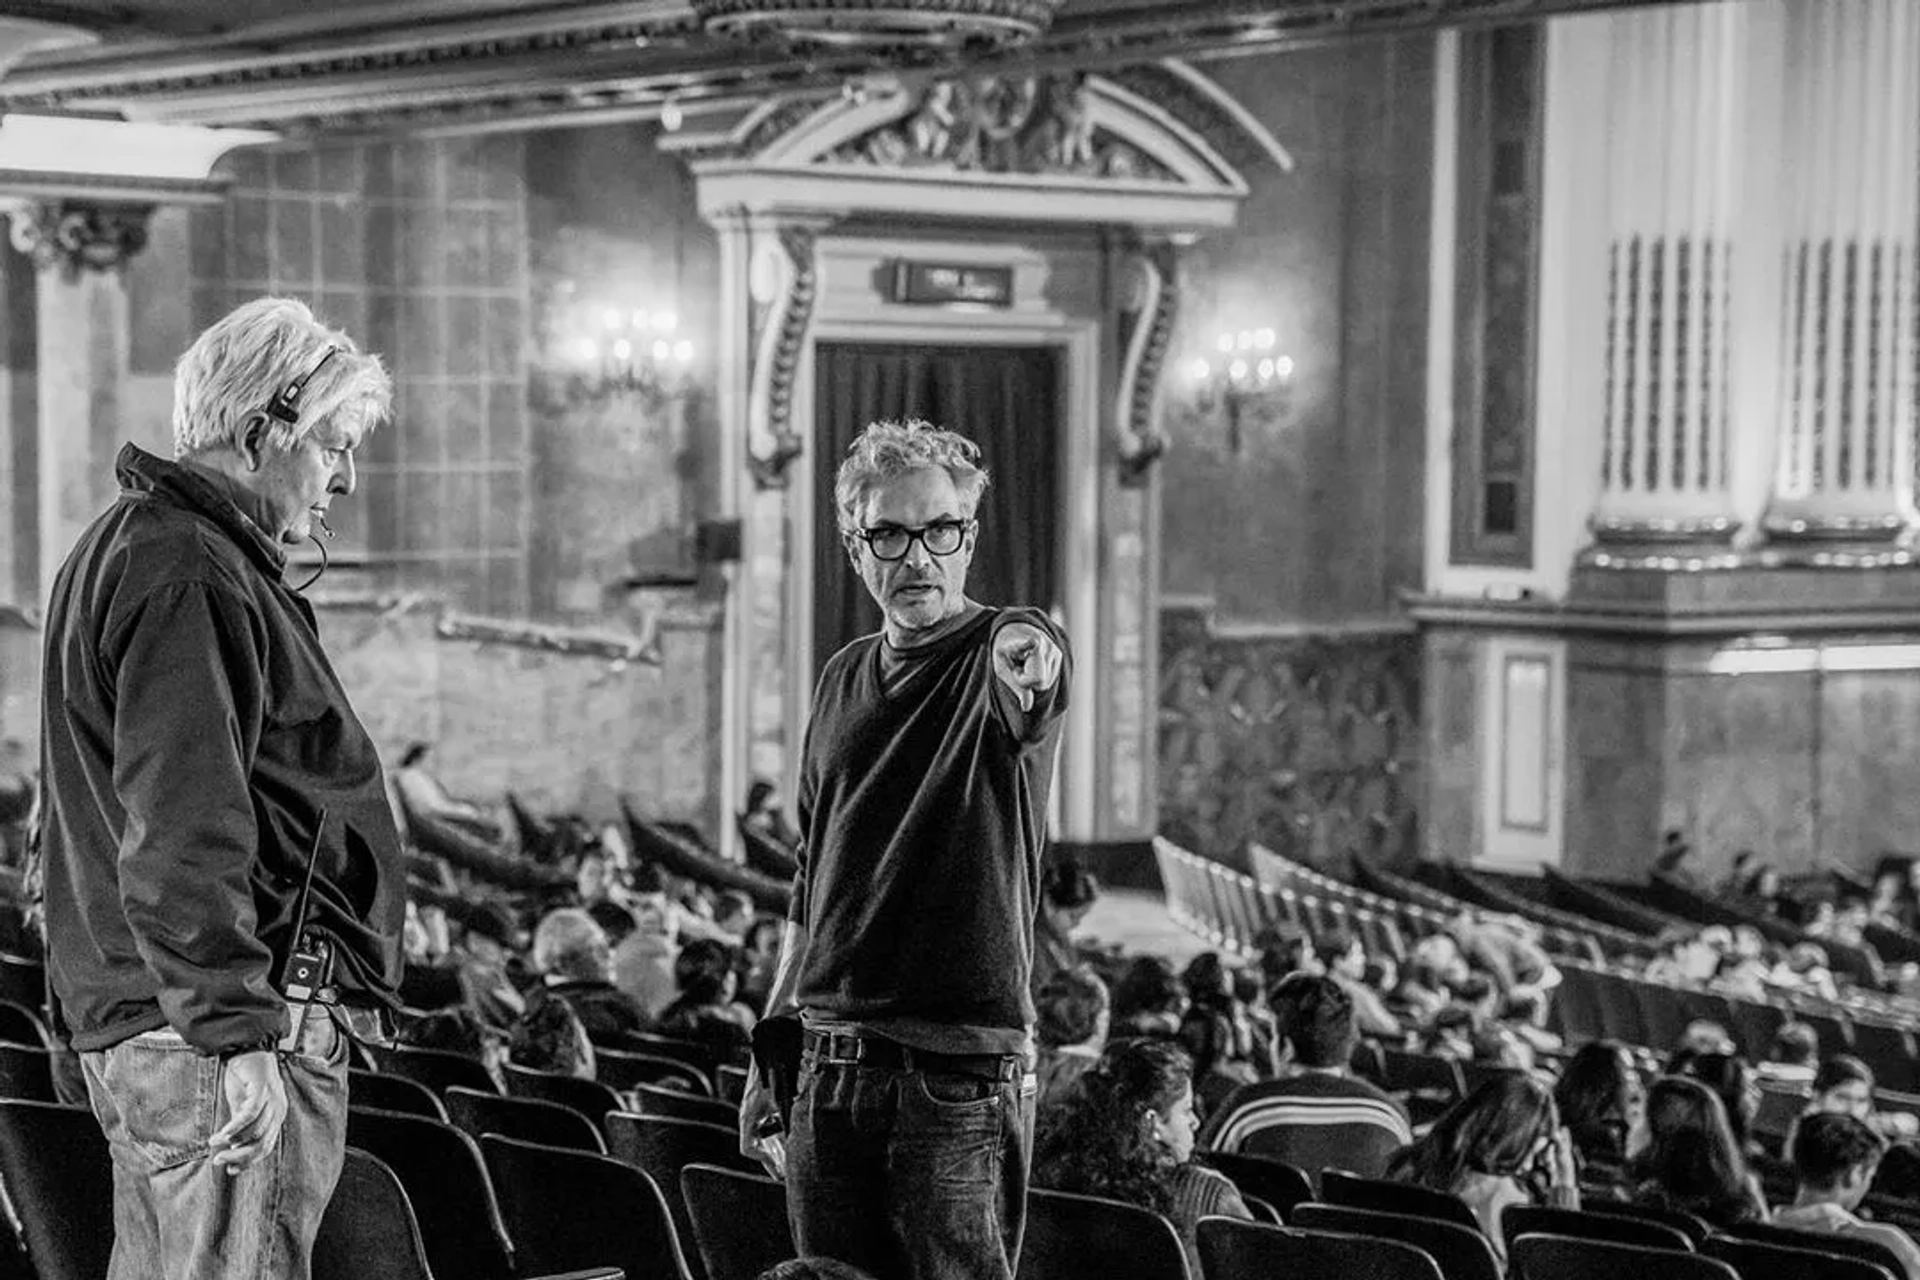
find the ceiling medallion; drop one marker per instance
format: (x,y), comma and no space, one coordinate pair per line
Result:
(880,24)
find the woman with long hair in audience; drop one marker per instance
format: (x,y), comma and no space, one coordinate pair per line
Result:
(1125,1132)
(1215,1031)
(1601,1100)
(1502,1144)
(1685,1157)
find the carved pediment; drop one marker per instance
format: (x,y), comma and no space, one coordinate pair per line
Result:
(1003,124)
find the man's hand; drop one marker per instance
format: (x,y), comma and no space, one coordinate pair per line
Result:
(256,1100)
(1026,660)
(756,1107)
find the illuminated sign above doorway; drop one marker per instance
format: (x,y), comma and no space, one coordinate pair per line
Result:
(949,284)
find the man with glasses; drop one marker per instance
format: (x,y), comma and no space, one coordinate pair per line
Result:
(923,798)
(224,888)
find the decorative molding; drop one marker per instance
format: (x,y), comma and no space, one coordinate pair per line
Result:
(1147,330)
(380,66)
(900,26)
(78,237)
(1003,124)
(777,359)
(1659,621)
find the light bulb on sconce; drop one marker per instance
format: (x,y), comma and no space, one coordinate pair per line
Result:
(1249,374)
(600,350)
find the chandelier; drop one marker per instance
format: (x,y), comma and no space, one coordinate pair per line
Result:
(880,24)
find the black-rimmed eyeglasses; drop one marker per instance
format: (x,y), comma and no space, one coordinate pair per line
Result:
(892,541)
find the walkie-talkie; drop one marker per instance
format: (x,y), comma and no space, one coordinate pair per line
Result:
(310,962)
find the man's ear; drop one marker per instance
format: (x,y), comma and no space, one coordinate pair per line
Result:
(253,439)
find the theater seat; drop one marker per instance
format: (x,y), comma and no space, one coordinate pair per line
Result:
(1545,1257)
(1234,1250)
(1073,1237)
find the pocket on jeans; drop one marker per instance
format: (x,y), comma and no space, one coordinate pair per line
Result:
(161,1098)
(952,1091)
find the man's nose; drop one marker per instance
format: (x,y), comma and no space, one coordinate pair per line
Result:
(917,554)
(344,476)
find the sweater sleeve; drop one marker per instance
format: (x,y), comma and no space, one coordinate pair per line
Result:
(190,698)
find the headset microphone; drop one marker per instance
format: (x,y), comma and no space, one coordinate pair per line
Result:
(320,518)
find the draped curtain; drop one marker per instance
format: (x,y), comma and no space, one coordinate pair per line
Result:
(1007,401)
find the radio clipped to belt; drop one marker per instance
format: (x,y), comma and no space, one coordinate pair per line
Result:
(309,968)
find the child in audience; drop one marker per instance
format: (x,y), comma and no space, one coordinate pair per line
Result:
(1835,1157)
(1501,1145)
(1684,1157)
(1601,1102)
(1126,1132)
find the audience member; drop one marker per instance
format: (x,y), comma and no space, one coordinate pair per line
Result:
(424,797)
(814,1269)
(1074,1011)
(1347,965)
(1703,1035)
(1733,1081)
(1264,1029)
(551,1037)
(706,1011)
(733,914)
(571,955)
(759,952)
(1685,1157)
(1889,906)
(1601,1102)
(1834,1159)
(1126,1132)
(1316,1114)
(1284,950)
(1214,1031)
(1420,994)
(1524,1018)
(1067,894)
(643,963)
(1501,1145)
(457,1030)
(1844,1085)
(1796,1048)
(614,920)
(1149,1000)
(768,817)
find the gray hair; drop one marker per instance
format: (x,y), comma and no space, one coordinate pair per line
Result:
(889,449)
(233,369)
(571,944)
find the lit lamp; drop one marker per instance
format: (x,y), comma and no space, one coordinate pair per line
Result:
(1245,371)
(605,351)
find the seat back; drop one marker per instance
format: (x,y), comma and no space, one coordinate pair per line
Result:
(26,1073)
(1071,1237)
(385,1092)
(1395,1197)
(1546,1257)
(625,1068)
(1764,1260)
(675,1105)
(1818,1241)
(58,1178)
(1695,1229)
(446,1180)
(1528,1219)
(730,1084)
(1780,1106)
(369,1231)
(1461,1254)
(23,981)
(571,1210)
(739,1221)
(21,1024)
(1278,1183)
(661,1148)
(524,1119)
(589,1097)
(1232,1248)
(435,1068)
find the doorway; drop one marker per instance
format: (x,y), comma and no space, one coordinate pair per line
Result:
(1006,399)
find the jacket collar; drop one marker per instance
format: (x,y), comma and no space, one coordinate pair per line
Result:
(145,475)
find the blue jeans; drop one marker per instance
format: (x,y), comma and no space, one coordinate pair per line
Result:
(910,1174)
(178,1217)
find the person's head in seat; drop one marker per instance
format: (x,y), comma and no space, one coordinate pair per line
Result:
(1074,1011)
(1315,1015)
(568,946)
(1835,1158)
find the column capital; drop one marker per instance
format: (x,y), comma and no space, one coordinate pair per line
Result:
(76,236)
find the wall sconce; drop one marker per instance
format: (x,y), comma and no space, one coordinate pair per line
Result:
(1245,372)
(601,351)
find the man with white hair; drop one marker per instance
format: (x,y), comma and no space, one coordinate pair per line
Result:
(224,885)
(909,944)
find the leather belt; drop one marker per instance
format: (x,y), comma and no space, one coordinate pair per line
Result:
(877,1051)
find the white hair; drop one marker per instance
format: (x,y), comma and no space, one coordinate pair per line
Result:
(888,449)
(232,370)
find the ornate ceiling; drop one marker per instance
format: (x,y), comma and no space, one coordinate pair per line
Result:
(475,64)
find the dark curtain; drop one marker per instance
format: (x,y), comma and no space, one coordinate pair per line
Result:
(1004,399)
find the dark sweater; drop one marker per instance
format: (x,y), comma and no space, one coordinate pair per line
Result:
(923,800)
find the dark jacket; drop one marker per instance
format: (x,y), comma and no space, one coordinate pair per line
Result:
(193,732)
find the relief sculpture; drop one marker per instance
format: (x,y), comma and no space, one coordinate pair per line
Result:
(1004,124)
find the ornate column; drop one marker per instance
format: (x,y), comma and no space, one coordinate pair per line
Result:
(1675,111)
(81,345)
(1846,378)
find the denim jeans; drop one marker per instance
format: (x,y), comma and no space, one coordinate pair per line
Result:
(910,1174)
(178,1217)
